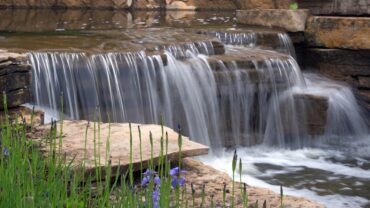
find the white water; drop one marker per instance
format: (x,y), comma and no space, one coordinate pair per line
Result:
(252,39)
(135,87)
(330,171)
(247,107)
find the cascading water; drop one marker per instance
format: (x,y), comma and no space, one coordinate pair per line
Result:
(224,103)
(139,88)
(280,41)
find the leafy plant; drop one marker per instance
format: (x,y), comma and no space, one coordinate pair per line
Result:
(293,6)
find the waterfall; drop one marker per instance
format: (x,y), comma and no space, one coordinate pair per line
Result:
(218,100)
(226,106)
(276,41)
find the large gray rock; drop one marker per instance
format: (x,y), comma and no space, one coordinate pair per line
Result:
(338,32)
(290,20)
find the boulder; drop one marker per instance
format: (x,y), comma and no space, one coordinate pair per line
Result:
(74,142)
(338,32)
(290,20)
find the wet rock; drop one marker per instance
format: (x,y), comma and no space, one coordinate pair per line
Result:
(200,174)
(73,146)
(312,113)
(350,66)
(338,32)
(292,21)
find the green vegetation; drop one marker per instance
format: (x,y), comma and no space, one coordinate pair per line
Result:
(29,179)
(293,6)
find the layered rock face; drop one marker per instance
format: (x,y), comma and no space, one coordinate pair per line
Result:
(292,21)
(349,66)
(338,32)
(15,79)
(337,7)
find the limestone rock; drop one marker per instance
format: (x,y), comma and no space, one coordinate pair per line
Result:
(335,7)
(199,173)
(292,21)
(313,110)
(13,57)
(119,138)
(14,81)
(338,32)
(349,66)
(179,5)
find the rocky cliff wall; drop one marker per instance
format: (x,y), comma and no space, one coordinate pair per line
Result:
(15,79)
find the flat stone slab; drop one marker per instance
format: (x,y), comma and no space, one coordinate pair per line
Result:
(73,146)
(13,57)
(290,20)
(338,32)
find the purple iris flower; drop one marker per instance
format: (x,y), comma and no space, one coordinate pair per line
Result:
(174,171)
(174,182)
(6,152)
(157,181)
(149,172)
(145,181)
(182,181)
(156,197)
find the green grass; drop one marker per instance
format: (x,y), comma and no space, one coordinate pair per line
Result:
(28,178)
